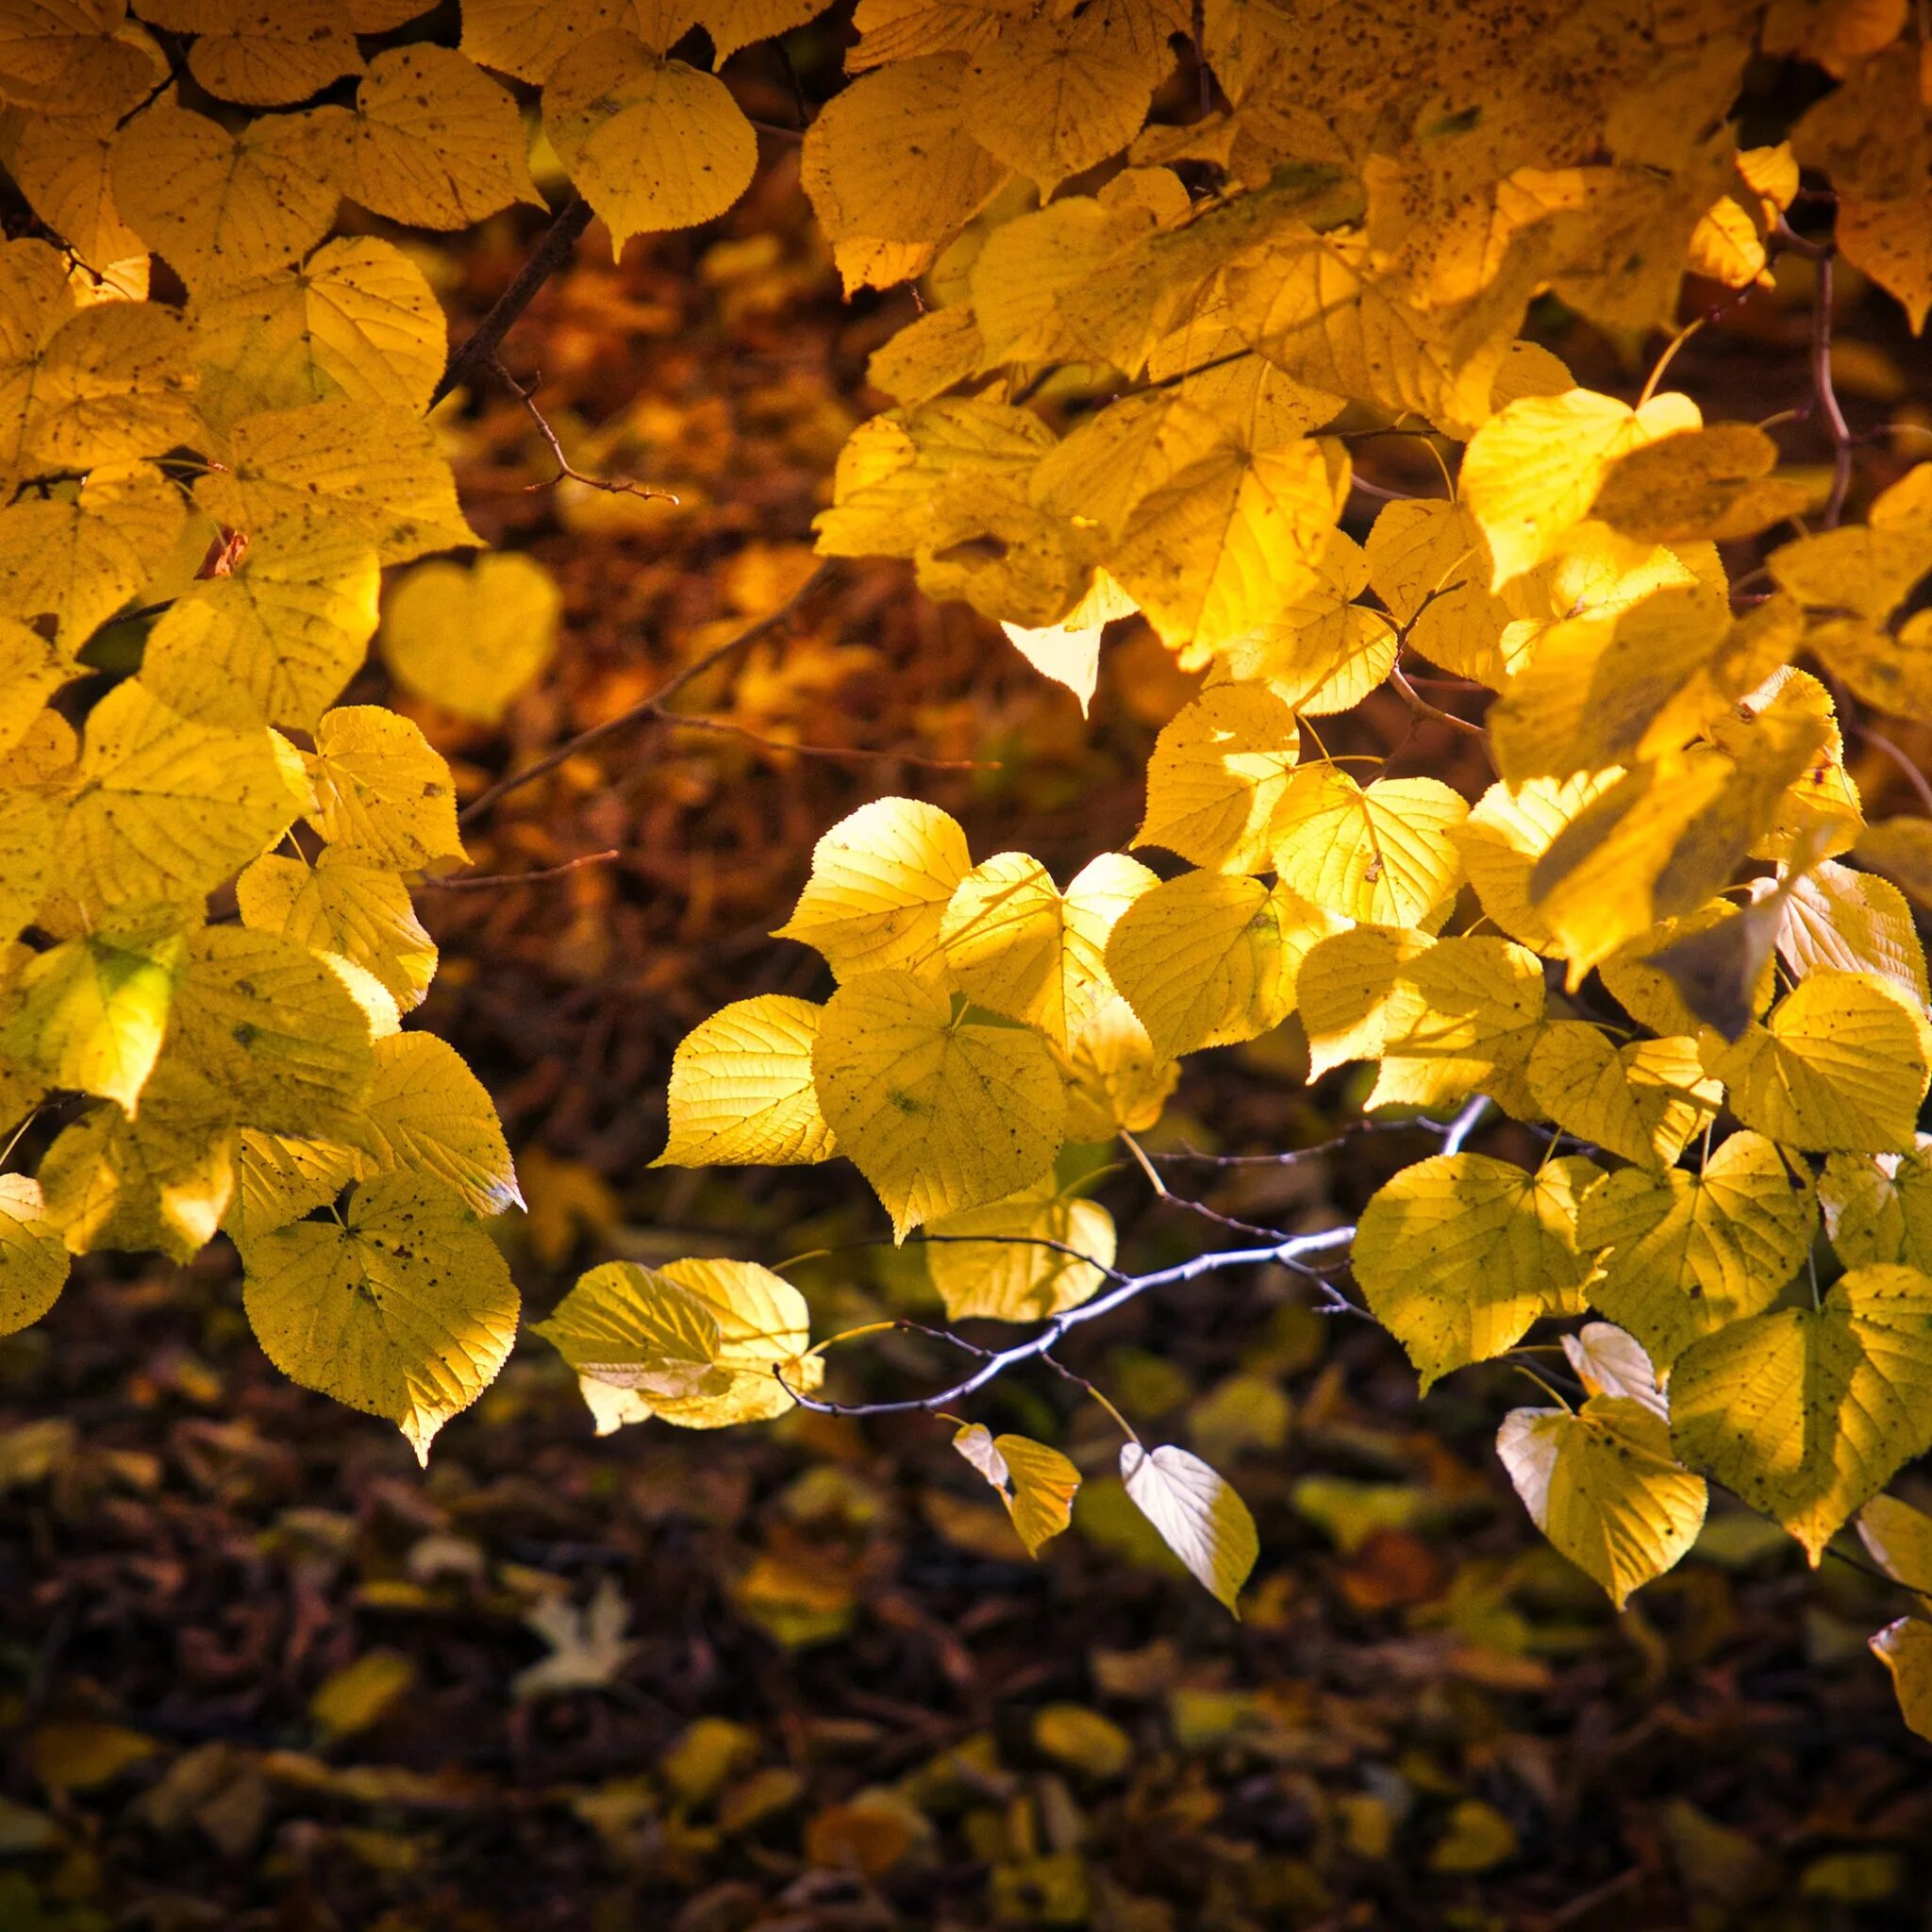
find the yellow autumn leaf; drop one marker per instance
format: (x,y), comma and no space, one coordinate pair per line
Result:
(1506,831)
(1206,960)
(631,1327)
(1901,848)
(472,640)
(162,1181)
(357,321)
(1610,1362)
(277,638)
(33,1258)
(383,796)
(1219,546)
(263,1034)
(1461,1018)
(1069,652)
(1834,919)
(58,562)
(1459,1254)
(32,669)
(434,142)
(116,383)
(650,142)
(1198,1514)
(1004,1262)
(281,1177)
(1713,483)
(59,59)
(528,38)
(1904,1648)
(1682,1254)
(741,1089)
(1430,565)
(1115,1079)
(1053,95)
(403,1311)
(881,879)
(1352,989)
(1840,1066)
(261,55)
(1878,1207)
(362,912)
(224,207)
(91,1014)
(1533,470)
(1642,1100)
(938,1116)
(1602,1484)
(1013,943)
(378,469)
(1380,854)
(1807,1413)
(1218,777)
(892,158)
(1037,1483)
(166,807)
(1899,1539)
(425,1113)
(764,1329)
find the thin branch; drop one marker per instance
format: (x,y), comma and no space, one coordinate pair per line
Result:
(559,244)
(828,750)
(649,708)
(621,486)
(1823,387)
(490,881)
(1901,759)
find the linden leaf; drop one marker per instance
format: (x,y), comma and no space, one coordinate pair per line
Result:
(1642,1100)
(1840,1066)
(278,637)
(403,1311)
(1532,471)
(1226,541)
(1459,1254)
(742,1090)
(428,1113)
(1900,847)
(471,640)
(764,1329)
(1878,1207)
(91,1014)
(1352,989)
(1836,919)
(159,1182)
(1602,1484)
(262,53)
(1199,1516)
(222,208)
(357,321)
(264,1035)
(891,156)
(33,1258)
(1808,1413)
(650,142)
(1206,960)
(1610,1362)
(1069,652)
(434,142)
(114,384)
(357,911)
(280,1178)
(1053,96)
(1037,1483)
(1682,1254)
(32,669)
(1461,1021)
(881,879)
(35,301)
(993,1261)
(937,1116)
(1899,1539)
(528,38)
(1904,1648)
(1714,484)
(1218,777)
(1115,1079)
(383,797)
(1016,945)
(56,56)
(166,807)
(1380,854)
(634,1330)
(378,469)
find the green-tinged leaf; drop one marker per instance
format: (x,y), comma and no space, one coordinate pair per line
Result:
(33,1256)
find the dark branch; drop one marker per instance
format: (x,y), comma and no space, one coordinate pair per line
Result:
(556,247)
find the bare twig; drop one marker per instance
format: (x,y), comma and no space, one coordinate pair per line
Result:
(1903,760)
(491,880)
(650,708)
(1823,390)
(621,486)
(559,244)
(888,756)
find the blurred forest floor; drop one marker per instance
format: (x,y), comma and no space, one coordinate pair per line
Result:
(259,1672)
